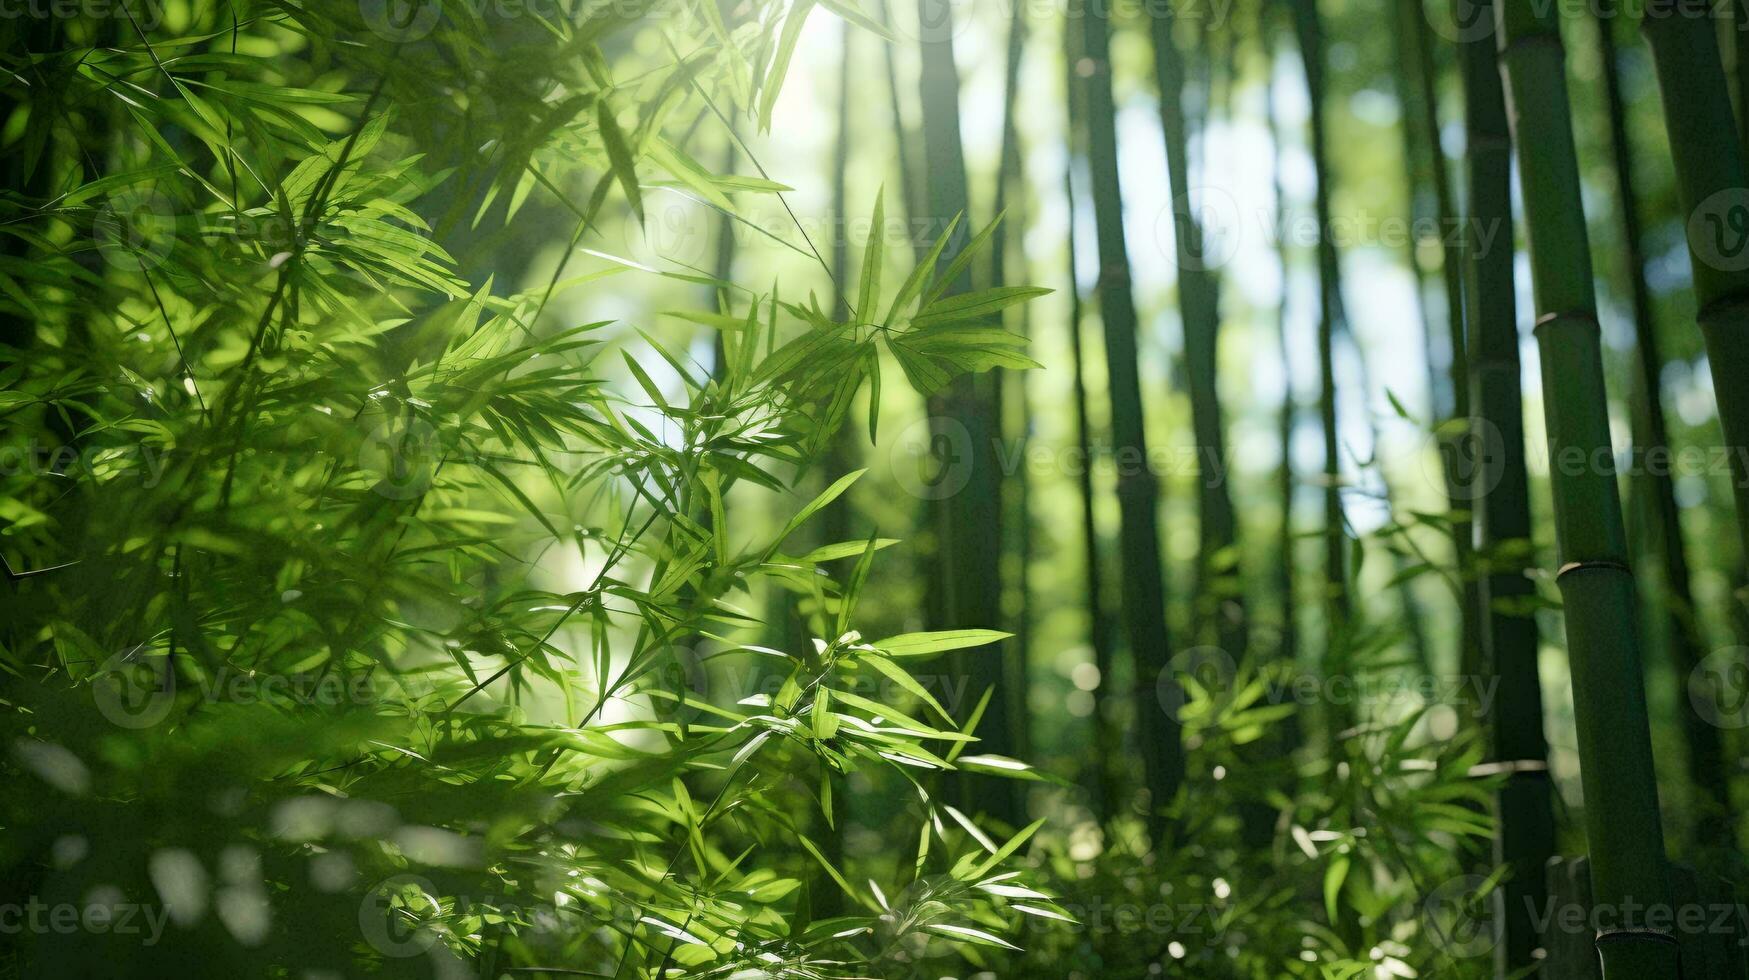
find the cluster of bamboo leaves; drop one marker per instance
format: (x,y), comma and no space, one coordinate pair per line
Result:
(283,653)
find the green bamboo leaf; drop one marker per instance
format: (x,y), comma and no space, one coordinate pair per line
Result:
(921,644)
(786,46)
(619,154)
(869,288)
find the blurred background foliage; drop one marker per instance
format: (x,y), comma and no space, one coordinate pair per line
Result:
(432,546)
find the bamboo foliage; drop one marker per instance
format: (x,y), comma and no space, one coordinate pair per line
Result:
(1596,585)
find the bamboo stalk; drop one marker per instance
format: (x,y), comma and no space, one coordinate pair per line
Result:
(1099,625)
(1308,30)
(1507,629)
(1017,524)
(1429,177)
(1706,765)
(970,521)
(1287,415)
(1217,577)
(1597,587)
(1712,182)
(1143,585)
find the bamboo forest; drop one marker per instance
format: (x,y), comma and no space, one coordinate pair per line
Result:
(847,489)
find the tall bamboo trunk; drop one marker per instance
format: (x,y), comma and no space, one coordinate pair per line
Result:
(1507,630)
(1143,587)
(1102,775)
(1430,195)
(970,521)
(1740,67)
(912,198)
(1308,30)
(1016,418)
(1287,415)
(1706,763)
(1597,587)
(1712,183)
(1218,583)
(835,521)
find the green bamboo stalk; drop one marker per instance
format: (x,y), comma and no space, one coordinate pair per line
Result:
(1740,69)
(1099,625)
(1143,585)
(1706,763)
(911,200)
(1429,176)
(724,266)
(835,521)
(1017,523)
(1308,30)
(1287,415)
(1507,629)
(1217,579)
(1712,182)
(970,521)
(1596,584)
